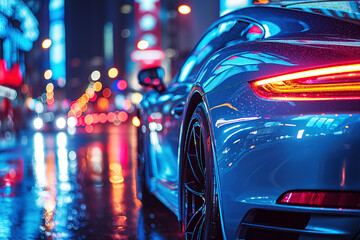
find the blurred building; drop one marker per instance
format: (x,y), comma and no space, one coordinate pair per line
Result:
(91,44)
(18,31)
(101,35)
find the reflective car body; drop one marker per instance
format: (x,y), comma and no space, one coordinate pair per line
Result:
(263,147)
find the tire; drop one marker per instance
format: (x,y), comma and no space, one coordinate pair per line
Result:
(142,190)
(200,216)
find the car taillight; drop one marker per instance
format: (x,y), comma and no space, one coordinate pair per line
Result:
(326,199)
(328,83)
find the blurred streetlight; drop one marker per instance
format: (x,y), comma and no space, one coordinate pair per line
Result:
(95,75)
(136,121)
(113,72)
(142,45)
(49,87)
(97,86)
(184,9)
(46,43)
(48,74)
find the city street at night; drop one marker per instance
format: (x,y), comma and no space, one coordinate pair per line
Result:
(180,120)
(59,186)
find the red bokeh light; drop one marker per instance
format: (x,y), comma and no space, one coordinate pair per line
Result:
(93,98)
(123,116)
(147,80)
(103,118)
(89,128)
(111,117)
(106,93)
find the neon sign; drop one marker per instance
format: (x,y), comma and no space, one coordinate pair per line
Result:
(28,31)
(57,36)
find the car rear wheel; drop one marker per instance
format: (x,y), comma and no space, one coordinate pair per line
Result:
(199,200)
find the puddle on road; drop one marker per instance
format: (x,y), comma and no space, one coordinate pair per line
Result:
(78,187)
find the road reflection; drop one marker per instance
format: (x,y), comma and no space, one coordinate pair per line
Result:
(81,186)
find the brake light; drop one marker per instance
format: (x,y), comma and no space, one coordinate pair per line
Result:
(329,83)
(327,199)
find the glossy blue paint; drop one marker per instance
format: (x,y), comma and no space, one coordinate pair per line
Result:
(262,148)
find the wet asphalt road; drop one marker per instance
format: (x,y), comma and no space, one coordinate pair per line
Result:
(82,186)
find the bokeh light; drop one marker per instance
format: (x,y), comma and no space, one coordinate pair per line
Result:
(97,86)
(103,117)
(122,84)
(142,45)
(46,43)
(89,119)
(136,121)
(103,104)
(50,87)
(106,93)
(136,98)
(72,121)
(60,123)
(111,117)
(38,123)
(184,9)
(90,92)
(95,75)
(24,88)
(123,116)
(126,9)
(48,74)
(113,72)
(89,128)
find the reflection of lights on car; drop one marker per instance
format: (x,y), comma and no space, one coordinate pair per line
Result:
(60,123)
(38,123)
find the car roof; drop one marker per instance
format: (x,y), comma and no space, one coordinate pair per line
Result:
(283,21)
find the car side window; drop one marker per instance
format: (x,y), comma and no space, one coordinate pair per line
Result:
(223,35)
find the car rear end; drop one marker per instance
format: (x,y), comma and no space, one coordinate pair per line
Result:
(285,117)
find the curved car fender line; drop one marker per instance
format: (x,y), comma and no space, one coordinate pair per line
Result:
(217,175)
(196,96)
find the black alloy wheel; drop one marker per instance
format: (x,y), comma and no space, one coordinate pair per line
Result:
(200,208)
(142,191)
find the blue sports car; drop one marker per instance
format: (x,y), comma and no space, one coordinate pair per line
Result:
(258,134)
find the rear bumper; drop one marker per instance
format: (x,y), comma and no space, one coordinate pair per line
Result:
(260,159)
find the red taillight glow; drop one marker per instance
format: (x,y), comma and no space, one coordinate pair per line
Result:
(329,83)
(326,199)
(255,29)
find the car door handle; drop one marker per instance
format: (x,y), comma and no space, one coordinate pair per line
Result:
(178,109)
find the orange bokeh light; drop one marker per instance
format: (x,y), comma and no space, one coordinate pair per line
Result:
(113,72)
(89,119)
(136,121)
